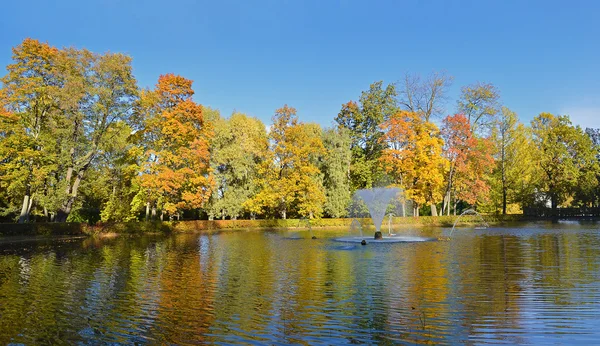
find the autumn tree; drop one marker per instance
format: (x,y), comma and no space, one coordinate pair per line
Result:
(413,156)
(176,171)
(29,98)
(290,177)
(309,150)
(425,96)
(564,155)
(470,161)
(362,119)
(238,148)
(335,167)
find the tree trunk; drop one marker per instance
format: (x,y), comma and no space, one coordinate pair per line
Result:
(147,210)
(162,215)
(30,205)
(65,210)
(433,210)
(447,199)
(403,208)
(504,201)
(153,212)
(24,216)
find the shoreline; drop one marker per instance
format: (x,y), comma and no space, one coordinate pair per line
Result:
(146,227)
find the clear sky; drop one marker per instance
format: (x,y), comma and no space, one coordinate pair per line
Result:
(253,56)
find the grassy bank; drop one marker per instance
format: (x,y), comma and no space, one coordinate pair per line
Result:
(47,229)
(440,221)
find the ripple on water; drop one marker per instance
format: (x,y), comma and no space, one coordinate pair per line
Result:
(520,285)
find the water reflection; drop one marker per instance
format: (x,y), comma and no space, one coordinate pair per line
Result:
(518,285)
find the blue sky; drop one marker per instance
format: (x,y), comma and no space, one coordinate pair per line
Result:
(253,56)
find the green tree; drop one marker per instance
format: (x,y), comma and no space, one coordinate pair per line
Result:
(99,94)
(590,192)
(336,171)
(119,165)
(564,155)
(363,119)
(238,148)
(513,174)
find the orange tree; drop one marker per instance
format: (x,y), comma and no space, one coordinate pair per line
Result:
(175,172)
(470,161)
(413,157)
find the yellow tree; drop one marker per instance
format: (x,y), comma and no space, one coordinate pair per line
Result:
(413,157)
(176,171)
(29,92)
(290,177)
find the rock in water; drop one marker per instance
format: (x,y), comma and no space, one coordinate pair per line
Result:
(378,235)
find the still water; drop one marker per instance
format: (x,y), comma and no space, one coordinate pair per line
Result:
(532,284)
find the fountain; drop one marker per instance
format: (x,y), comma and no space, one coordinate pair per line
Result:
(356,228)
(470,212)
(377,200)
(390,220)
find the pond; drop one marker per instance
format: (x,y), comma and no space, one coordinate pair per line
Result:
(533,283)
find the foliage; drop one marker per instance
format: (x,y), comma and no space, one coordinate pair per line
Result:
(470,162)
(414,157)
(565,157)
(362,120)
(513,177)
(176,171)
(80,142)
(65,105)
(335,167)
(238,148)
(290,177)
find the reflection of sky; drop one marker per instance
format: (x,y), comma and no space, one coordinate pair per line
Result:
(500,285)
